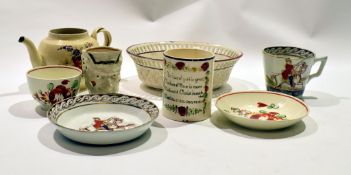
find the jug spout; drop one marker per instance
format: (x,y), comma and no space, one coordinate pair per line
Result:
(35,58)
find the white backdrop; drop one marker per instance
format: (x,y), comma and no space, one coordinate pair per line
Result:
(30,145)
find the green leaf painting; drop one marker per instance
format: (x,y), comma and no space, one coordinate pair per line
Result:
(270,81)
(50,86)
(75,84)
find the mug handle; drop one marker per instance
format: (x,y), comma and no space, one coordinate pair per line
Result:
(323,60)
(107,35)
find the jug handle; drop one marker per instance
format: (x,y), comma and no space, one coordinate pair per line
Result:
(107,35)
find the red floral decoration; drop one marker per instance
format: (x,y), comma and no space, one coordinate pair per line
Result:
(182,110)
(205,66)
(180,65)
(261,105)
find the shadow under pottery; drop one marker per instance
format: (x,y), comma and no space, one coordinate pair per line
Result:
(29,109)
(22,89)
(133,86)
(321,99)
(304,128)
(53,139)
(221,90)
(151,90)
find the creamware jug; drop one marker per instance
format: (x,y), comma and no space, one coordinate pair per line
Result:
(63,46)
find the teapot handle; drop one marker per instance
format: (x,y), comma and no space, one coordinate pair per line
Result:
(107,35)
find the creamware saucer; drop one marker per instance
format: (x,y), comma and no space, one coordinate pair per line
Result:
(262,110)
(103,119)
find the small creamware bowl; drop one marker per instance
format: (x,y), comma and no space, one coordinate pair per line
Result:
(148,59)
(51,84)
(102,119)
(262,110)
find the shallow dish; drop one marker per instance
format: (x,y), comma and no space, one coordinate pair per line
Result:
(262,109)
(148,59)
(103,119)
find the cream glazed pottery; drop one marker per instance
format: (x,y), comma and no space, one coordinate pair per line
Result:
(288,69)
(103,119)
(262,110)
(187,84)
(101,68)
(63,46)
(148,59)
(51,84)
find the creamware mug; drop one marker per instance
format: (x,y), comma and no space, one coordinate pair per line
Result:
(187,84)
(101,69)
(287,69)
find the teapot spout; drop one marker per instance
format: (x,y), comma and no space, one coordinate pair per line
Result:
(35,58)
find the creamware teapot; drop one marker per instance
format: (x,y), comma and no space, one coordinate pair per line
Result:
(63,46)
